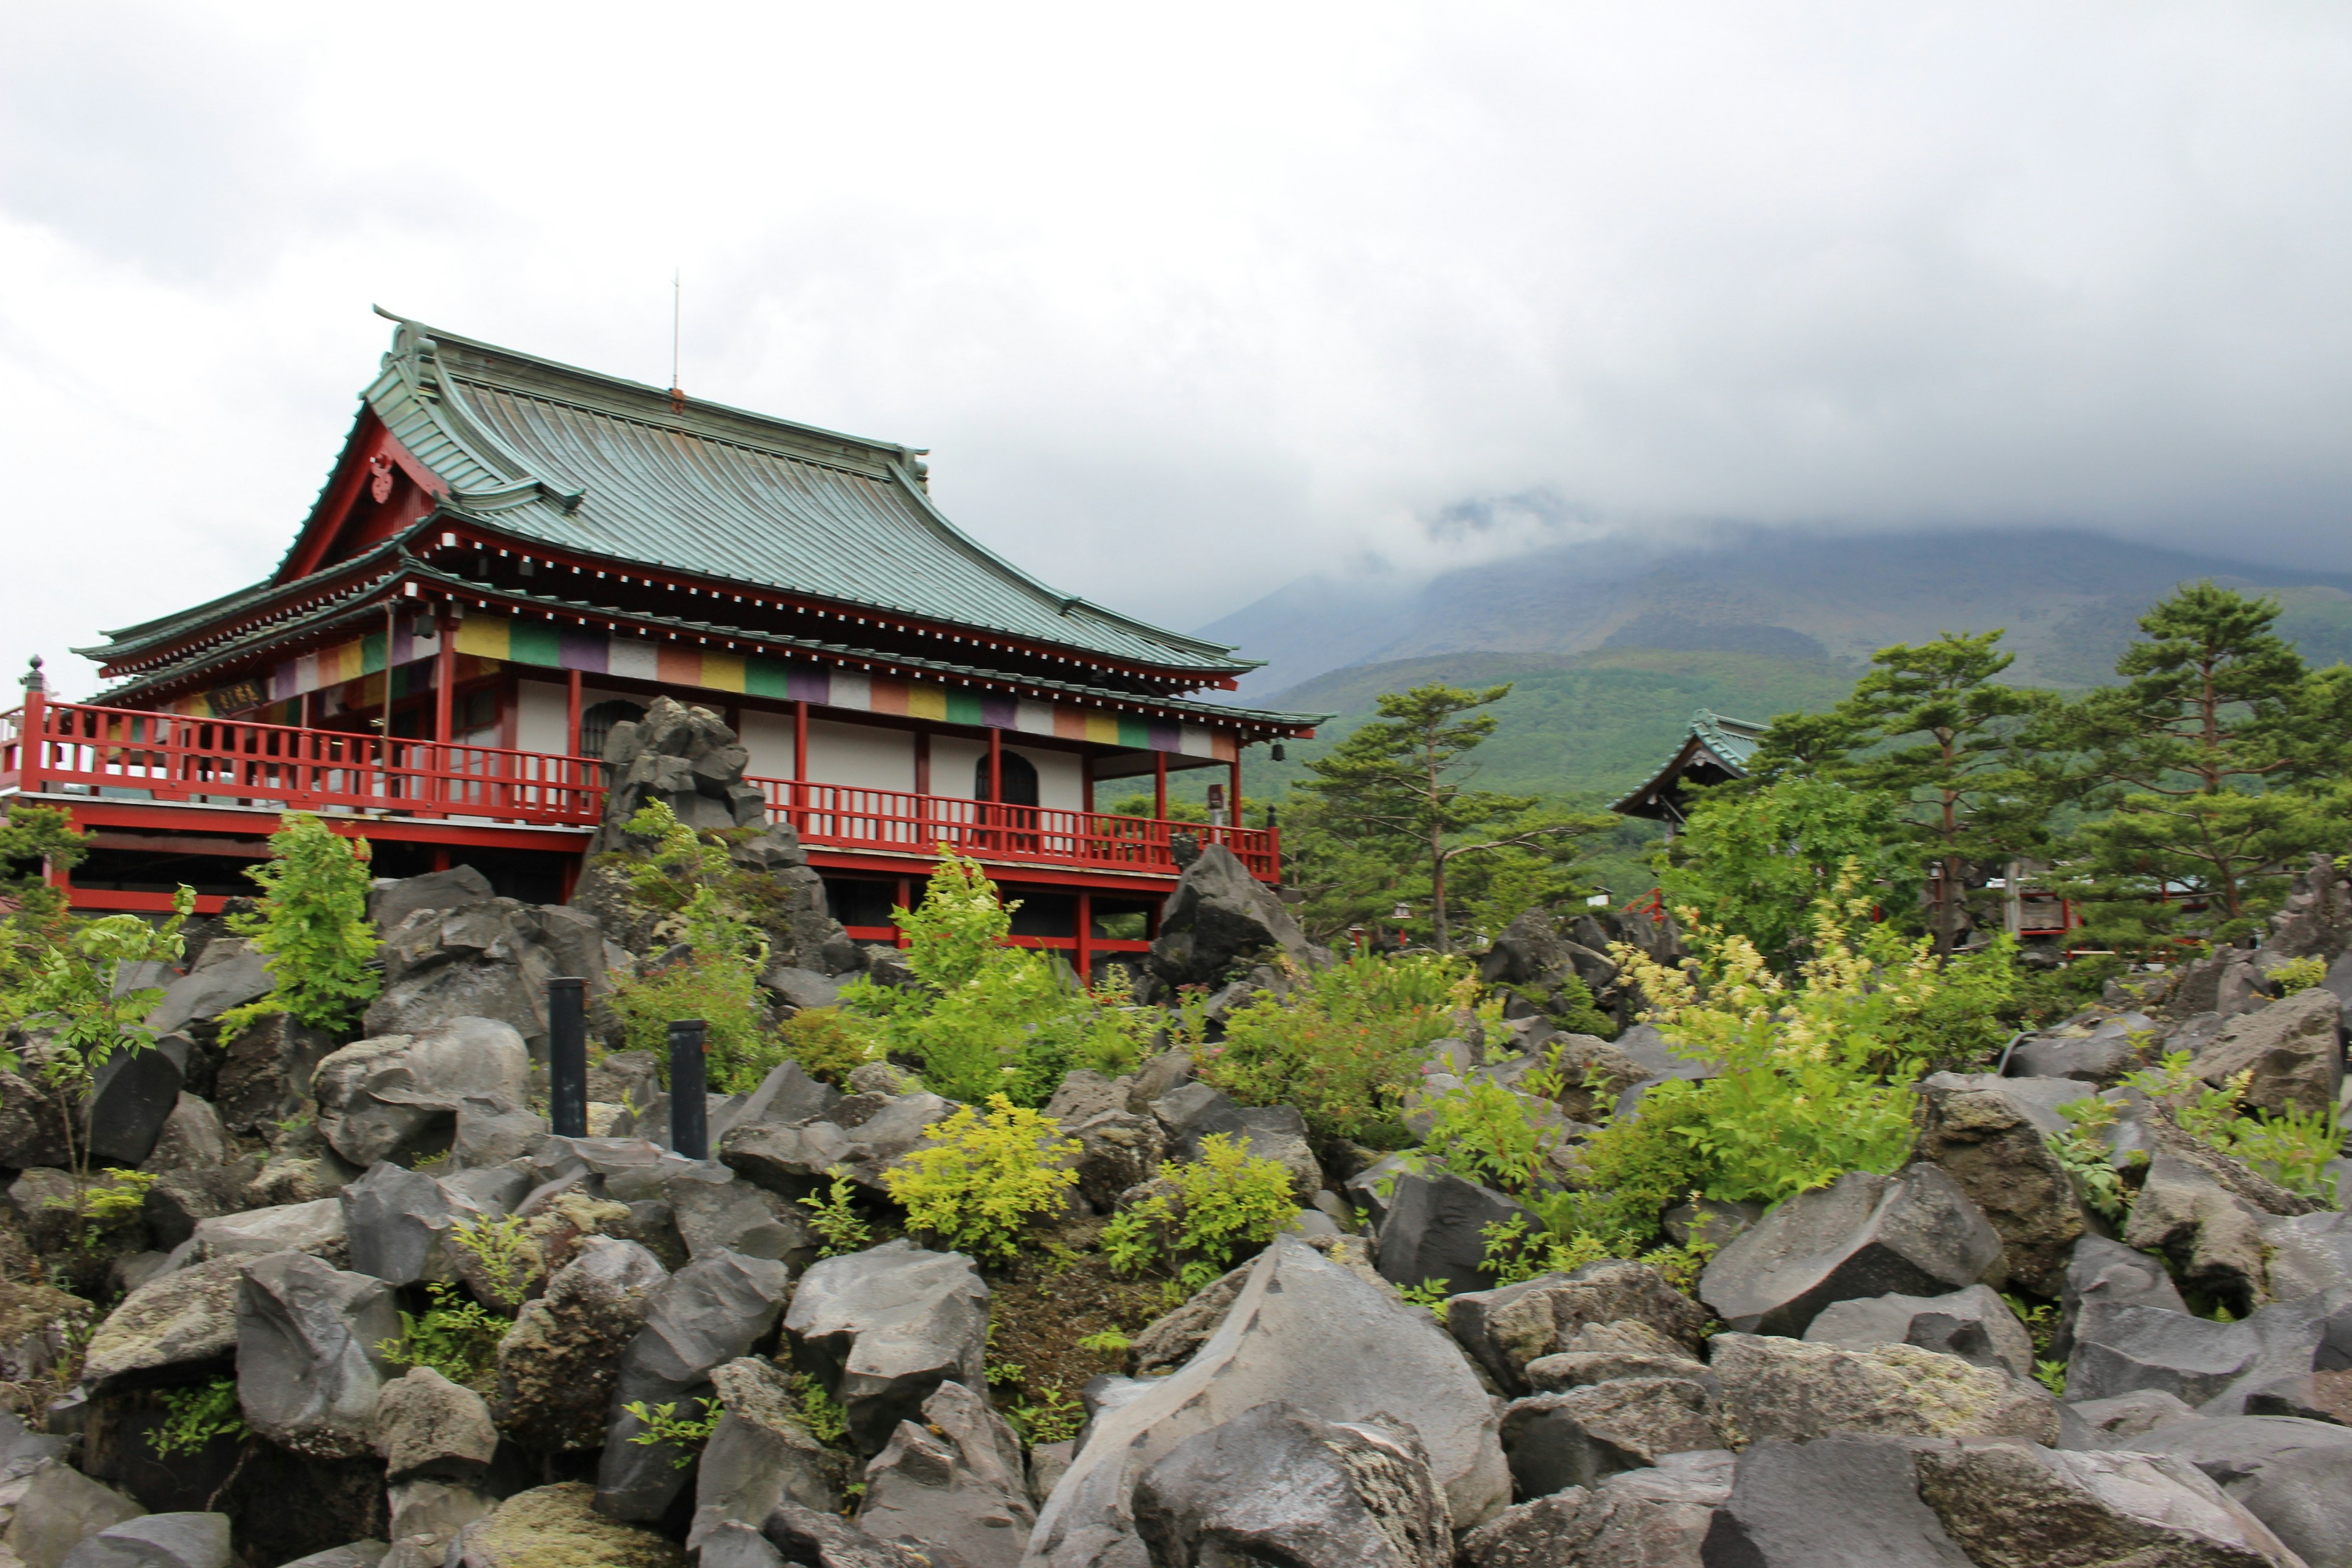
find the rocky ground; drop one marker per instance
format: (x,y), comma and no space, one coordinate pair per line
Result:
(1849,1380)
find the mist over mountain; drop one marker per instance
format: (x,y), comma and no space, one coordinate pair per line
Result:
(2067,600)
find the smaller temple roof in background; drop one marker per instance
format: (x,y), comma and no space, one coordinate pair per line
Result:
(1715,749)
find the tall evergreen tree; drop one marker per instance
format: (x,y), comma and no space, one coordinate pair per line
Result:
(1396,794)
(2205,757)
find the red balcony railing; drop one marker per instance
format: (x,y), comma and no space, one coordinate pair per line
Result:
(850,818)
(76,748)
(126,755)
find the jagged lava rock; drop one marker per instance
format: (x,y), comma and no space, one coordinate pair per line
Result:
(954,1480)
(559,1363)
(376,1095)
(1974,1324)
(1656,1518)
(1505,1330)
(309,1372)
(1785,1388)
(884,1327)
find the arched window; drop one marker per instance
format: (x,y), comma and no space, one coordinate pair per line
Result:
(1020,779)
(596,723)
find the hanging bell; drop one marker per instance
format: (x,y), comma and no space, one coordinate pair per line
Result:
(1277,753)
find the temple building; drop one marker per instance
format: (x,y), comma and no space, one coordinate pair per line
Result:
(510,555)
(1715,750)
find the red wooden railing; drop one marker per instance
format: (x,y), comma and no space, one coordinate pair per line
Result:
(78,748)
(126,754)
(852,817)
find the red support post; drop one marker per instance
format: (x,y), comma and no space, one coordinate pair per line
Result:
(30,747)
(445,677)
(994,811)
(1087,783)
(1160,786)
(798,815)
(571,714)
(1086,939)
(1234,796)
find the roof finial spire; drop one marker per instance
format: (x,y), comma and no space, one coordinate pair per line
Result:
(34,679)
(677,292)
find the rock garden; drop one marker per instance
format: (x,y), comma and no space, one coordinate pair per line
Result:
(1246,1252)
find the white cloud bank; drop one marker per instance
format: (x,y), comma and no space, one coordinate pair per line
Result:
(1188,300)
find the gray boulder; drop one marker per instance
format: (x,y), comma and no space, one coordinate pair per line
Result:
(179,1319)
(1992,1141)
(1974,1324)
(158,1541)
(1577,1435)
(308,1369)
(558,1364)
(1603,1353)
(228,973)
(1308,1332)
(881,1329)
(1656,1518)
(193,1138)
(826,1541)
(559,1523)
(32,1131)
(2211,1234)
(801,988)
(725,1215)
(2104,1276)
(1842,1502)
(685,757)
(393,899)
(2012,1505)
(492,1131)
(2212,1366)
(59,1509)
(379,1097)
(427,1515)
(2290,1051)
(1863,1235)
(427,1425)
(954,1480)
(1194,1113)
(402,1224)
(1279,1484)
(2293,1476)
(2308,1252)
(315,1228)
(131,1094)
(2100,1052)
(2120,1421)
(1505,1329)
(760,1456)
(267,1071)
(1785,1388)
(1221,916)
(490,960)
(710,1312)
(1436,1229)
(862,1135)
(1117,1150)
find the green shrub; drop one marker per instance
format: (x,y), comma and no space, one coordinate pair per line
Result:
(827,1045)
(1483,1134)
(1227,1200)
(455,1337)
(506,1252)
(987,1018)
(2292,1148)
(976,1181)
(719,988)
(313,925)
(198,1414)
(1343,1046)
(2084,1156)
(663,1426)
(834,1218)
(2299,974)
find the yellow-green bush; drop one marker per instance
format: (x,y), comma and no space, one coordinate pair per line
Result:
(1226,1200)
(977,1181)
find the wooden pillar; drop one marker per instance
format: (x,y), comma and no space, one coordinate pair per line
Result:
(571,714)
(923,762)
(1159,785)
(31,752)
(1233,795)
(1087,783)
(905,901)
(800,742)
(445,678)
(1086,939)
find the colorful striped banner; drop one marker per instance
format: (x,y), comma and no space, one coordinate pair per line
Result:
(359,666)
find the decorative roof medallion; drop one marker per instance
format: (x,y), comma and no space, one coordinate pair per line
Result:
(380,477)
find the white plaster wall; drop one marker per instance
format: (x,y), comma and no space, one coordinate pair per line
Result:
(1061,778)
(951,763)
(541,718)
(769,738)
(866,755)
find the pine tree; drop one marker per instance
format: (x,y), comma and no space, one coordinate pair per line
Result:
(1396,790)
(2205,756)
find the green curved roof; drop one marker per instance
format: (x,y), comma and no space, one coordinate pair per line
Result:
(595,463)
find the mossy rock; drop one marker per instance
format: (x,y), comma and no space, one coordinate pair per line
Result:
(557,1527)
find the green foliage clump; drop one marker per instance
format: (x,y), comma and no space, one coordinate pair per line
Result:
(455,1337)
(2084,1156)
(104,1210)
(1483,1134)
(33,837)
(198,1414)
(1226,1200)
(663,1424)
(976,1181)
(506,1252)
(987,1018)
(689,877)
(1052,1418)
(828,1046)
(826,1418)
(2292,1148)
(313,924)
(1341,1046)
(839,1226)
(1755,861)
(2299,974)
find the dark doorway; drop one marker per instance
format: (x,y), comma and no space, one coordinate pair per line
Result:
(1020,780)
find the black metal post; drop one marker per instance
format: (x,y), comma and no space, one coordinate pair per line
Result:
(567,1057)
(689,1114)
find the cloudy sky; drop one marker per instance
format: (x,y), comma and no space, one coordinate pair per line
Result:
(1190,299)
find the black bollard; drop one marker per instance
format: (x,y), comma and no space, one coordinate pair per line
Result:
(567,1057)
(689,1116)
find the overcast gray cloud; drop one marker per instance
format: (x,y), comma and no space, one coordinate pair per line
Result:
(1190,301)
